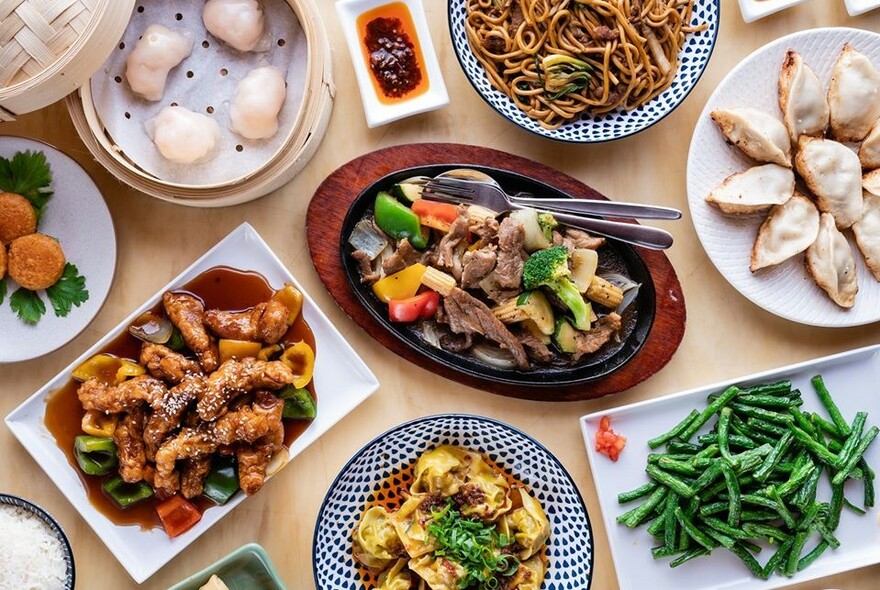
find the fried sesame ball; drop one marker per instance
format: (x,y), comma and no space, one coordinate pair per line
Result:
(36,261)
(17,217)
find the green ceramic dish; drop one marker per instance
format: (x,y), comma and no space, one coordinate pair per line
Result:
(246,568)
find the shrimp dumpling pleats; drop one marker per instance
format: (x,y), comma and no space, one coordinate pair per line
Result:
(853,95)
(375,540)
(759,135)
(757,189)
(157,52)
(257,102)
(867,233)
(801,98)
(788,230)
(833,173)
(238,23)
(184,137)
(831,264)
(443,470)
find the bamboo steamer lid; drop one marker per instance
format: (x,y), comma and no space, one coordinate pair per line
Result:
(49,48)
(299,147)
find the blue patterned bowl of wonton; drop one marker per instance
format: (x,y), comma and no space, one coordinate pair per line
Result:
(381,474)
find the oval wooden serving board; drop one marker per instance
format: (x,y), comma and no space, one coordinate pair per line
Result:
(331,201)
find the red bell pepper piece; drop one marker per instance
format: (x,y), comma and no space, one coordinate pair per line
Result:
(445,212)
(609,442)
(177,515)
(421,307)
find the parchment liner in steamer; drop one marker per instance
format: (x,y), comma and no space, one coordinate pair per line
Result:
(204,82)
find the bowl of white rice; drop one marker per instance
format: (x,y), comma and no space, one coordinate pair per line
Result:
(35,553)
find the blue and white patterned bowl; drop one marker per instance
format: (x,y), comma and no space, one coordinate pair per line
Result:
(366,476)
(617,124)
(70,577)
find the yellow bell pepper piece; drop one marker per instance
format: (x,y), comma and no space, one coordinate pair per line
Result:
(238,349)
(292,299)
(98,423)
(400,285)
(301,359)
(268,352)
(128,369)
(108,369)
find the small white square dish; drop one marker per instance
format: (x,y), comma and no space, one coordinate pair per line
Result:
(752,10)
(857,7)
(851,377)
(341,379)
(429,94)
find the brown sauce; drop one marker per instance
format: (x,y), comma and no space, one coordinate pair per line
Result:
(392,51)
(219,288)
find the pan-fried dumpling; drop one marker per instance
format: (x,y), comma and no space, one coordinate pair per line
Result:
(759,135)
(871,182)
(831,264)
(375,540)
(238,23)
(395,578)
(184,137)
(411,522)
(442,470)
(529,575)
(439,573)
(528,525)
(485,494)
(788,230)
(869,150)
(832,173)
(157,52)
(853,95)
(756,189)
(867,232)
(801,98)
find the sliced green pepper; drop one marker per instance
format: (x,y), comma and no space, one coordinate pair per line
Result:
(176,342)
(126,494)
(398,221)
(222,481)
(298,403)
(96,455)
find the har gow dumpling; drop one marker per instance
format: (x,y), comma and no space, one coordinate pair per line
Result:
(759,135)
(853,95)
(157,52)
(757,189)
(833,173)
(184,137)
(788,230)
(801,98)
(257,102)
(830,262)
(238,23)
(867,233)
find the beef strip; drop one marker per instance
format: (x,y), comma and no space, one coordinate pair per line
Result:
(468,315)
(494,290)
(476,265)
(516,18)
(485,229)
(590,342)
(510,247)
(575,239)
(404,256)
(365,267)
(447,250)
(456,342)
(494,44)
(535,348)
(603,33)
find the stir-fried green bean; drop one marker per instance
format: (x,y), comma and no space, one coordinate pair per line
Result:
(675,432)
(830,406)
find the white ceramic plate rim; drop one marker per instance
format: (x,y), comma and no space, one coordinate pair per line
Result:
(752,10)
(142,553)
(608,497)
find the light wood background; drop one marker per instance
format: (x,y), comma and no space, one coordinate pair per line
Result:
(727,336)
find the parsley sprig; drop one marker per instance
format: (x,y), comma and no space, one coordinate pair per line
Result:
(69,291)
(475,546)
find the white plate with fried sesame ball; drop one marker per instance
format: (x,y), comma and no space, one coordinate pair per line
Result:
(77,217)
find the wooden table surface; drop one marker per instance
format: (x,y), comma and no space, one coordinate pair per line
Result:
(727,336)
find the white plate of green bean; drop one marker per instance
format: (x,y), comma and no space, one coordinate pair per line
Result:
(750,484)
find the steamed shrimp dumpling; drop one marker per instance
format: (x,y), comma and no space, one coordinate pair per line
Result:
(867,233)
(759,135)
(757,189)
(788,230)
(157,52)
(238,23)
(833,173)
(831,264)
(257,102)
(853,95)
(184,137)
(801,98)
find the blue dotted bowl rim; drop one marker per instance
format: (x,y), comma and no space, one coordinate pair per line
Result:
(461,49)
(426,419)
(19,502)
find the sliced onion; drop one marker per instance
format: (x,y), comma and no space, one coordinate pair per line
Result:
(151,328)
(625,283)
(429,334)
(628,297)
(493,355)
(366,237)
(534,236)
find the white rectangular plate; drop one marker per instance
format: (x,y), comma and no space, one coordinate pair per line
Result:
(752,10)
(852,379)
(857,7)
(342,381)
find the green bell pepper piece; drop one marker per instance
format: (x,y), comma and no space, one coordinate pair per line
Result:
(126,494)
(96,455)
(398,221)
(222,481)
(298,403)
(176,342)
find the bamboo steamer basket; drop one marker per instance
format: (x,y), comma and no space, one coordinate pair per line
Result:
(49,48)
(301,144)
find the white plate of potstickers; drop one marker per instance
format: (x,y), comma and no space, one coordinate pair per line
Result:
(784,177)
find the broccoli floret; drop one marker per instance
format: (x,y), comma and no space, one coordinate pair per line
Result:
(547,223)
(549,268)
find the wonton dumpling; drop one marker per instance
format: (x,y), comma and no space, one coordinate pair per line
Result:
(184,137)
(485,494)
(869,150)
(439,573)
(830,262)
(871,182)
(867,233)
(156,53)
(759,135)
(443,470)
(853,95)
(529,575)
(529,526)
(395,578)
(832,173)
(258,100)
(801,98)
(238,23)
(375,540)
(411,522)
(756,189)
(788,230)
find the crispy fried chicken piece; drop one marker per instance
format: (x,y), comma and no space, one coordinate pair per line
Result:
(113,399)
(164,363)
(235,377)
(193,474)
(171,410)
(254,459)
(186,312)
(129,438)
(190,443)
(265,322)
(250,423)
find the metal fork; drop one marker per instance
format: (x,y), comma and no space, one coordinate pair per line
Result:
(486,195)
